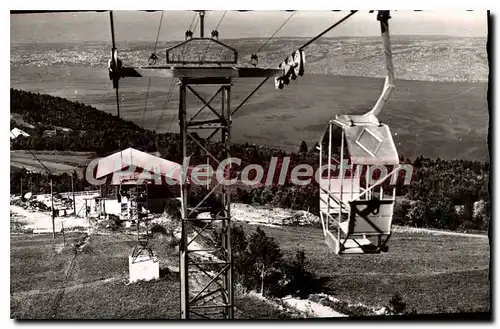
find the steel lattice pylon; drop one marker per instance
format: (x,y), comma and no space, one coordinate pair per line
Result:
(206,273)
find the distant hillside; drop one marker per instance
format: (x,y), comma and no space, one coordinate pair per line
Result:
(430,58)
(91,129)
(34,108)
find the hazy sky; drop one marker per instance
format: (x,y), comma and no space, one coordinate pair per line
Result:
(137,26)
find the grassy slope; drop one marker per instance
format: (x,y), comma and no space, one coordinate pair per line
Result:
(432,273)
(35,265)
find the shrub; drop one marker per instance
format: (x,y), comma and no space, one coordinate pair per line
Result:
(396,304)
(264,258)
(113,223)
(172,207)
(158,229)
(86,249)
(401,212)
(418,214)
(303,147)
(259,265)
(299,281)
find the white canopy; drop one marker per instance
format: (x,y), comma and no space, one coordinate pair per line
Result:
(130,164)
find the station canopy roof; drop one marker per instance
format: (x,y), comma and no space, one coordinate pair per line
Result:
(129,165)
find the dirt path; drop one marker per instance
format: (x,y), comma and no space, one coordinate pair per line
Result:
(404,229)
(70,288)
(383,274)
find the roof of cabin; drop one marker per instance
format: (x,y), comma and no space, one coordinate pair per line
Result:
(368,141)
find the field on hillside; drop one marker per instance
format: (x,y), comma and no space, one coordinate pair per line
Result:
(49,281)
(433,273)
(56,162)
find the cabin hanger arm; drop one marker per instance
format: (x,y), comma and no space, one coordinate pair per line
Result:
(383,16)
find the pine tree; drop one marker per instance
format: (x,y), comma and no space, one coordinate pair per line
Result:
(303,147)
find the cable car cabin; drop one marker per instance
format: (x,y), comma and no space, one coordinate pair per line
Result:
(356,202)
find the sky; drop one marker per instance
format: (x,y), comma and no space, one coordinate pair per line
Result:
(143,26)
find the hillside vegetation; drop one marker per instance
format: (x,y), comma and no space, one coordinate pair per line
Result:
(438,189)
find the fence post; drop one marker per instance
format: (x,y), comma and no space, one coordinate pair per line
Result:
(52,209)
(73,191)
(62,228)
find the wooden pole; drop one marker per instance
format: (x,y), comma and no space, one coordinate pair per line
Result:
(101,203)
(52,208)
(73,191)
(62,228)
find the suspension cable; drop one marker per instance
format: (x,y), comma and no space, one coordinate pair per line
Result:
(301,48)
(195,24)
(327,30)
(39,161)
(218,24)
(152,60)
(146,103)
(192,21)
(279,28)
(165,105)
(265,79)
(159,29)
(261,47)
(171,122)
(220,20)
(167,99)
(270,38)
